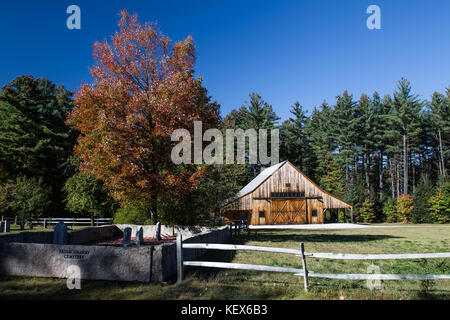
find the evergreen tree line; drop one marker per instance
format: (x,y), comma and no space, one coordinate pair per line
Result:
(385,155)
(376,151)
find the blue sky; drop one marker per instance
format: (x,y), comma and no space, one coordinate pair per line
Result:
(309,51)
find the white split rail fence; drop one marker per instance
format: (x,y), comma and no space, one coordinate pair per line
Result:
(304,271)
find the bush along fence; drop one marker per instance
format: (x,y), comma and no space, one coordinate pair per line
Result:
(304,272)
(45,222)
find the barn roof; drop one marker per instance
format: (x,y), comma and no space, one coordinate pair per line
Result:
(264,175)
(260,178)
(255,183)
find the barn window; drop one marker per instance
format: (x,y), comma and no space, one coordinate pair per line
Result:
(262,214)
(288,185)
(284,195)
(314,213)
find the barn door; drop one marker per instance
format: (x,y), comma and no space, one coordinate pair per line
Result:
(288,211)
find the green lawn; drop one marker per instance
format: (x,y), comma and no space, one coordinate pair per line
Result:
(37,228)
(236,284)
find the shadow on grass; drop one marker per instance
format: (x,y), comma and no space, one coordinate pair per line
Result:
(271,237)
(211,255)
(262,236)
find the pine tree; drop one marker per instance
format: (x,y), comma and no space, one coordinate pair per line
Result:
(295,145)
(344,128)
(407,108)
(319,132)
(34,139)
(440,115)
(256,114)
(333,180)
(423,193)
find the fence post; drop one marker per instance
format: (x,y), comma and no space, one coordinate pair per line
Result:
(180,271)
(230,229)
(305,270)
(15,220)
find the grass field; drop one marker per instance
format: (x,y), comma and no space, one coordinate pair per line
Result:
(37,228)
(240,285)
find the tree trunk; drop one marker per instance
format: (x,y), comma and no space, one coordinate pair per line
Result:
(367,165)
(380,175)
(154,212)
(392,173)
(405,164)
(441,151)
(346,175)
(413,164)
(398,178)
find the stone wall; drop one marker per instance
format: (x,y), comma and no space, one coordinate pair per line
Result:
(86,235)
(166,231)
(77,236)
(28,237)
(95,262)
(147,263)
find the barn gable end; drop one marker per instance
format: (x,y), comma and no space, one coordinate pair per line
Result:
(282,194)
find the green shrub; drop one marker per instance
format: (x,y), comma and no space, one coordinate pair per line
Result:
(28,198)
(424,191)
(341,216)
(85,195)
(135,213)
(367,211)
(440,204)
(390,210)
(405,207)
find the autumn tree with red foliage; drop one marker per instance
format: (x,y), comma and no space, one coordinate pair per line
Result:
(143,89)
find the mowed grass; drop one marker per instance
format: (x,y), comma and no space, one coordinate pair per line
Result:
(208,283)
(37,228)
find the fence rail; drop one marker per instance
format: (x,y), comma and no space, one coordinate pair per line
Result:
(304,271)
(240,266)
(345,256)
(70,221)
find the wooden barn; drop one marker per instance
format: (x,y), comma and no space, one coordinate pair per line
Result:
(281,194)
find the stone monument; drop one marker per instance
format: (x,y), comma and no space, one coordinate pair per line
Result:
(60,234)
(126,241)
(139,237)
(158,232)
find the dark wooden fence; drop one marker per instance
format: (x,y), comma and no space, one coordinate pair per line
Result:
(45,222)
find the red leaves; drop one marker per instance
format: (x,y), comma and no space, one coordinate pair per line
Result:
(143,89)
